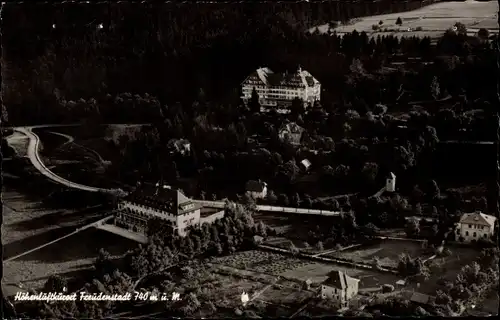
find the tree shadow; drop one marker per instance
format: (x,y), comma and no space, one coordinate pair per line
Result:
(83,245)
(20,246)
(57,218)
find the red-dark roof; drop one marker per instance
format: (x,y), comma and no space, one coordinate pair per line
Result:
(170,200)
(478,218)
(266,76)
(255,186)
(340,280)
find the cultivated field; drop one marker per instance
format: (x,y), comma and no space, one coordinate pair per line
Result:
(261,261)
(433,20)
(265,290)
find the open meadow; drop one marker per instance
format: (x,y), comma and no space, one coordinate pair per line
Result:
(432,20)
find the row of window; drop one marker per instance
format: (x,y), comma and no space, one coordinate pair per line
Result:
(476,227)
(271,89)
(188,222)
(275,91)
(132,220)
(124,206)
(474,234)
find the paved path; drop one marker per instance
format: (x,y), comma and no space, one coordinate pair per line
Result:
(33,155)
(71,140)
(335,250)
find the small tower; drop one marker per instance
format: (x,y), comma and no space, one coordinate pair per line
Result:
(390,183)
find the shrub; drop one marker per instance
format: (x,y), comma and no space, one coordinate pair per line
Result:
(419,28)
(381,22)
(399,21)
(375,27)
(461,239)
(387,288)
(483,33)
(319,246)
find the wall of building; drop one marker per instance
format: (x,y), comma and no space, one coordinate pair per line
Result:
(352,290)
(211,218)
(186,220)
(147,212)
(334,294)
(467,231)
(390,185)
(268,96)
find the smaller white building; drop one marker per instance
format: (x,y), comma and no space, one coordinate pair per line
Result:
(390,183)
(340,288)
(475,226)
(256,189)
(305,164)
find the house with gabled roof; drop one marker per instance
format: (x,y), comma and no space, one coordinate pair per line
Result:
(475,226)
(256,189)
(340,288)
(291,133)
(280,89)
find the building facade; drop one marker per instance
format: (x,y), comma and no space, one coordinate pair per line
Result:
(340,288)
(165,203)
(475,226)
(279,90)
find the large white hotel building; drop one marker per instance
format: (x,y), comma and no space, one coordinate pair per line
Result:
(164,203)
(280,89)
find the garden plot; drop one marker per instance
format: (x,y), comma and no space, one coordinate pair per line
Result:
(387,252)
(261,261)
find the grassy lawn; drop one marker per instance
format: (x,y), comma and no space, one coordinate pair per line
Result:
(387,251)
(451,265)
(433,19)
(317,273)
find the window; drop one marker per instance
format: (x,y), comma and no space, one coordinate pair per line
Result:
(458,231)
(466,233)
(470,226)
(474,234)
(484,235)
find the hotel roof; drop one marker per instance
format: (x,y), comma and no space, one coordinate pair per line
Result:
(299,79)
(164,198)
(478,218)
(255,186)
(340,280)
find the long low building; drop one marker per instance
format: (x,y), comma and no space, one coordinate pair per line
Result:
(165,203)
